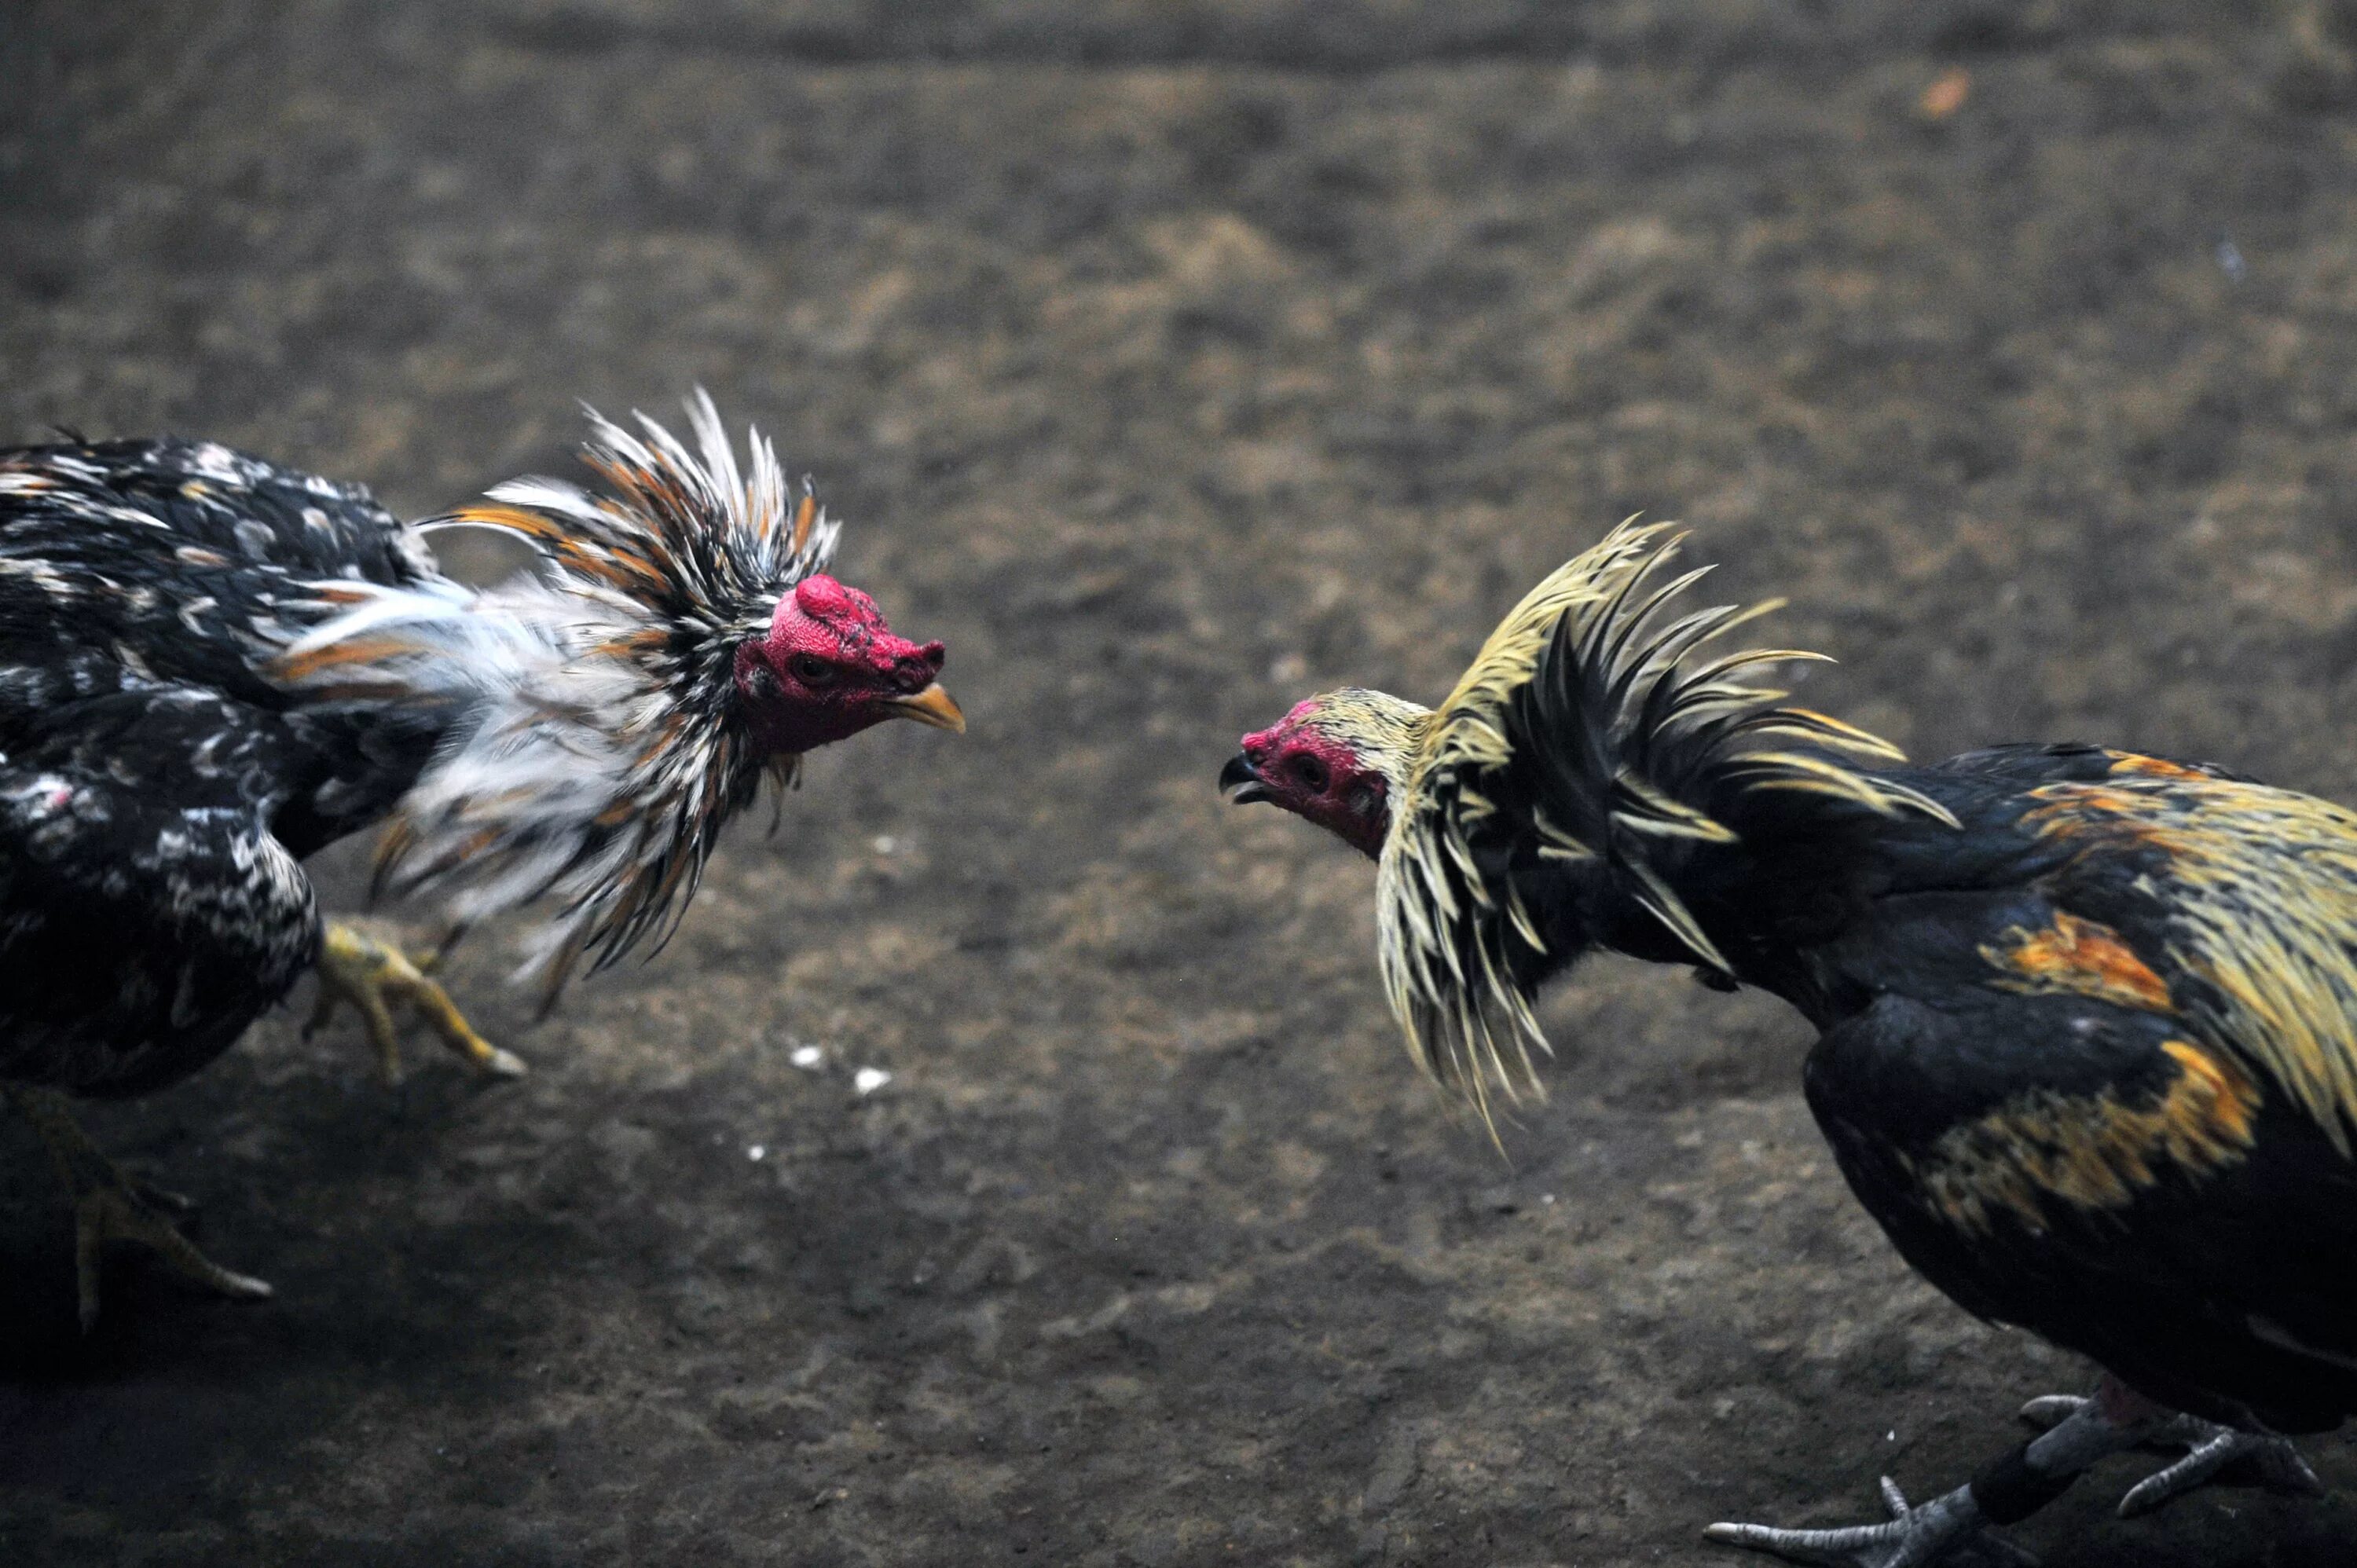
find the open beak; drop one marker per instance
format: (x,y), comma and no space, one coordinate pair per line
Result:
(1240,783)
(930,707)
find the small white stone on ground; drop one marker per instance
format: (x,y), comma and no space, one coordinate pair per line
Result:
(868,1079)
(808,1057)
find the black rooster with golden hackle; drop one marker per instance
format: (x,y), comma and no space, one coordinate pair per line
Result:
(211,667)
(2088,1018)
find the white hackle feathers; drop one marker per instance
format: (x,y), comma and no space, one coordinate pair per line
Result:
(591,759)
(1580,739)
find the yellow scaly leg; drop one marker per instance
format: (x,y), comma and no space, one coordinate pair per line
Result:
(108,1206)
(371,975)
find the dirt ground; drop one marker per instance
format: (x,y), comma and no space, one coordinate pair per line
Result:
(1170,361)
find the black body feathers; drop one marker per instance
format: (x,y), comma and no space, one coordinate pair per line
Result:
(156,789)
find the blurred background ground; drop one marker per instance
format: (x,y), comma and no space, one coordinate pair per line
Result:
(1169,360)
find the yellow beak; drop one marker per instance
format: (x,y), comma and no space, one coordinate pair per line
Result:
(930,707)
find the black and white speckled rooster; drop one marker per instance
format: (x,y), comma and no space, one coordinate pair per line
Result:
(2089,1018)
(211,667)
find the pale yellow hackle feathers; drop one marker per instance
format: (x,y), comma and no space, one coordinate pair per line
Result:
(1447,935)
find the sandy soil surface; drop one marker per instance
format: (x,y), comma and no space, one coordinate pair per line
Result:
(1169,360)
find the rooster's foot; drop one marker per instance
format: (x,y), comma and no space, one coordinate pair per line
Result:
(1952,1531)
(111,1206)
(371,975)
(107,1214)
(1947,1530)
(179,1205)
(2210,1448)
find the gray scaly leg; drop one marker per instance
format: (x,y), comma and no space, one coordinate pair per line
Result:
(2210,1448)
(1953,1530)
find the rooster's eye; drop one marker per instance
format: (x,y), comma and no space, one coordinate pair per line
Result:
(812,671)
(1312,773)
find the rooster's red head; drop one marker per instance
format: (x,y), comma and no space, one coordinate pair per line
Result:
(830,667)
(1338,759)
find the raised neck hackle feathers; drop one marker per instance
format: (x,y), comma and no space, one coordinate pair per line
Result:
(599,753)
(1587,694)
